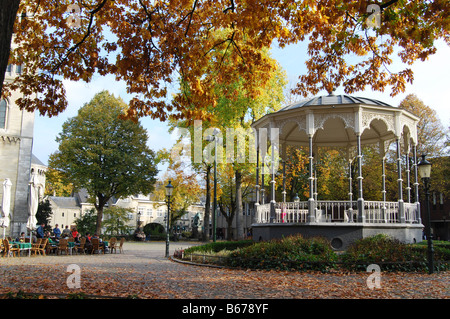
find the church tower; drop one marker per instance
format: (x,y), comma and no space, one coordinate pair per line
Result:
(16,142)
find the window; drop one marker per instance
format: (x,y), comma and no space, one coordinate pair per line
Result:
(18,68)
(160,212)
(3,110)
(9,68)
(140,211)
(149,212)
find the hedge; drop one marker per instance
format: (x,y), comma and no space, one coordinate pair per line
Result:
(298,253)
(218,246)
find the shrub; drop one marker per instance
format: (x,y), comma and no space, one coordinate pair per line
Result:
(298,253)
(390,254)
(218,246)
(293,252)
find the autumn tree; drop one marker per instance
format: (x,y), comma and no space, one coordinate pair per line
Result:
(330,170)
(149,44)
(431,134)
(227,201)
(296,174)
(56,184)
(233,107)
(104,154)
(186,188)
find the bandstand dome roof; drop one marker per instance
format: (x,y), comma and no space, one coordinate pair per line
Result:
(336,120)
(334,100)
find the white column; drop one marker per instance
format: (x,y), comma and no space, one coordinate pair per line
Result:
(263,164)
(311,203)
(408,177)
(401,210)
(416,184)
(361,214)
(257,170)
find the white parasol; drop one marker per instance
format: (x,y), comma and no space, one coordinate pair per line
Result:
(33,200)
(6,204)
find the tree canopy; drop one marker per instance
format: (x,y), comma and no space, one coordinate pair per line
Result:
(104,154)
(148,44)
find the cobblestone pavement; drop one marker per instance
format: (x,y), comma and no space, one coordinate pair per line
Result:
(143,271)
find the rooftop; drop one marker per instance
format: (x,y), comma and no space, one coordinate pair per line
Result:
(334,100)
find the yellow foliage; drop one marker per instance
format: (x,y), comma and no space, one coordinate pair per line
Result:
(148,43)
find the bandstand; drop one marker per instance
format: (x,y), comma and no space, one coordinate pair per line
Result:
(339,121)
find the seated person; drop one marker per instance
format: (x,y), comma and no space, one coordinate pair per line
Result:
(21,238)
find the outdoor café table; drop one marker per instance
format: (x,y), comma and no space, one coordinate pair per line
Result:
(71,245)
(22,246)
(105,246)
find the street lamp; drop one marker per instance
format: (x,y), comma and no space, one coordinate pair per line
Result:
(214,138)
(169,192)
(296,198)
(138,221)
(424,168)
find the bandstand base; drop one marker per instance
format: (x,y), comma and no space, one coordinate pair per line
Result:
(341,235)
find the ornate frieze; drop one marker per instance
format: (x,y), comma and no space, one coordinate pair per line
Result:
(9,139)
(368,117)
(320,119)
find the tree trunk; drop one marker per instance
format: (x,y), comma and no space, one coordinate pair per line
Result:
(205,236)
(98,229)
(239,219)
(99,207)
(8,13)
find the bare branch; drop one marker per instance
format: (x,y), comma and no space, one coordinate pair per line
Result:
(86,35)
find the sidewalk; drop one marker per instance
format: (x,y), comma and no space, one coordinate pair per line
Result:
(143,271)
(134,253)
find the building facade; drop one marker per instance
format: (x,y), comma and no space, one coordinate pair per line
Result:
(16,143)
(144,210)
(439,216)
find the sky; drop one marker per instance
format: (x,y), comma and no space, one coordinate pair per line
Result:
(431,85)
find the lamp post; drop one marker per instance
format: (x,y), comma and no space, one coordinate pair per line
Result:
(214,138)
(138,221)
(424,168)
(169,192)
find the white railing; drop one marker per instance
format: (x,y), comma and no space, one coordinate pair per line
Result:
(412,213)
(263,213)
(290,212)
(335,211)
(338,211)
(381,212)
